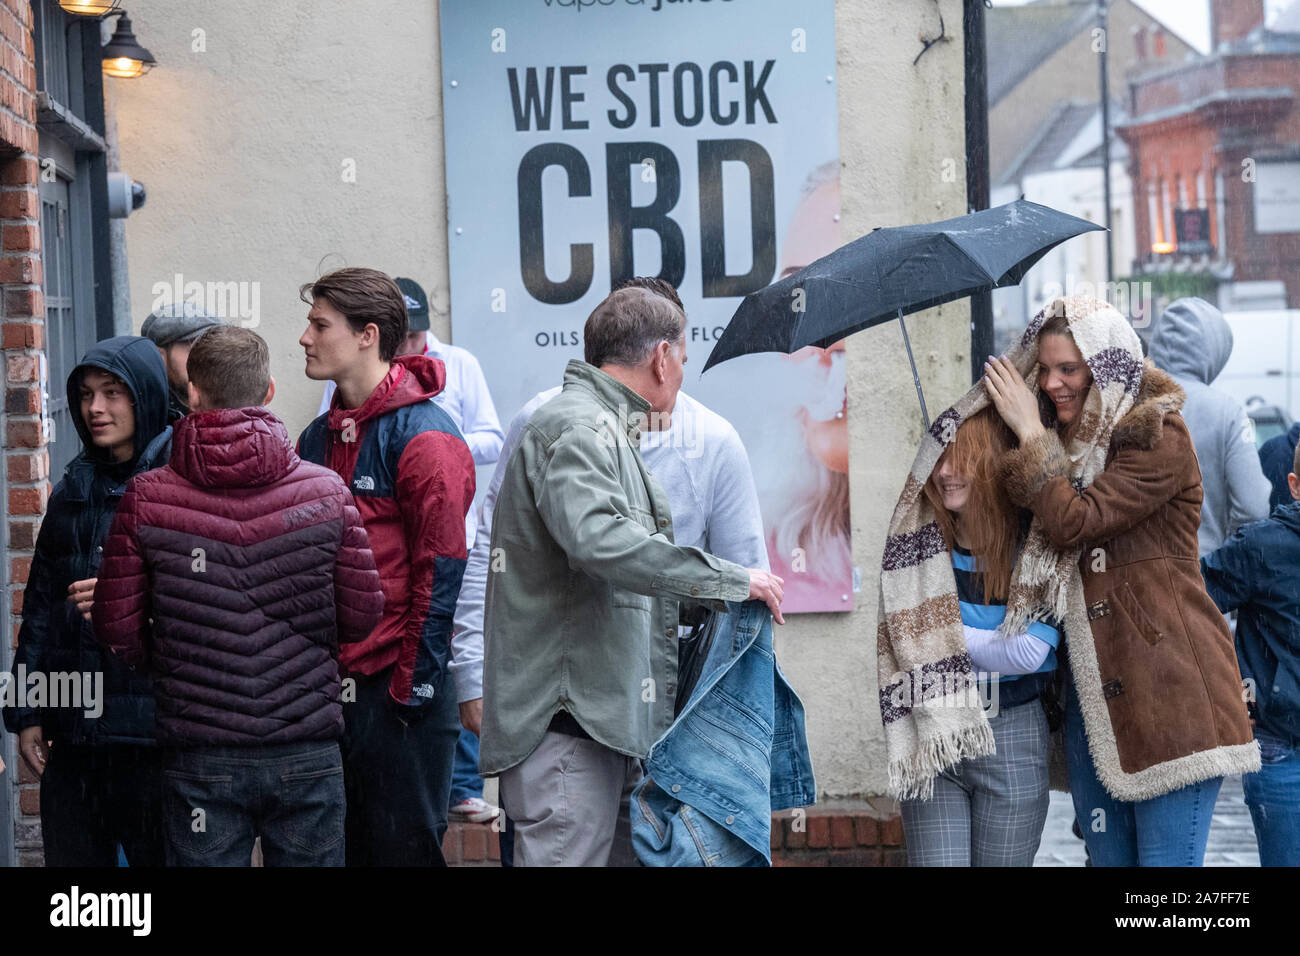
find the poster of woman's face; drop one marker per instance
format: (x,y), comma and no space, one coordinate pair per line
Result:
(807,516)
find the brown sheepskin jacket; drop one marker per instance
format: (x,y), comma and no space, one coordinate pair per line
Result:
(1151,656)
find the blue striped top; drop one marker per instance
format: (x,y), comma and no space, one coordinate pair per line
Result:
(975,613)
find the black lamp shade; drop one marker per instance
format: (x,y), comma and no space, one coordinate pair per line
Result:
(123,55)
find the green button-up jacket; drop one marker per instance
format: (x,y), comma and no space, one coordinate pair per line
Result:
(584,580)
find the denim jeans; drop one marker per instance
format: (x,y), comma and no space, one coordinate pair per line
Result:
(397,776)
(1169,830)
(1273,796)
(465,781)
(217,800)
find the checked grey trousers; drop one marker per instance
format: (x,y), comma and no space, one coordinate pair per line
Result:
(987,811)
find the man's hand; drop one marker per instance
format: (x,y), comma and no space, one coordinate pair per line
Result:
(766,587)
(471,715)
(82,594)
(1012,398)
(31,747)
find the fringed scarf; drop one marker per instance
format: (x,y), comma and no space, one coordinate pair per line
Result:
(929,698)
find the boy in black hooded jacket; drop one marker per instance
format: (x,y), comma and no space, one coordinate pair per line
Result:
(84,721)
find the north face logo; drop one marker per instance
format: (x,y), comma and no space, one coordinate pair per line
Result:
(364,483)
(422,690)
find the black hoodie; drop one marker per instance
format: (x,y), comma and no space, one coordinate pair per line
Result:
(54,637)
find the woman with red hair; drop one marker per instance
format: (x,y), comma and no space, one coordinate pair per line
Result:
(987,810)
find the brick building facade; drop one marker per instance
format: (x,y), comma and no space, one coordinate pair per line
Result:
(56,298)
(27,485)
(1222,134)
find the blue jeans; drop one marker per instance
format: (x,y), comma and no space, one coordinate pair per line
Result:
(465,781)
(216,800)
(1169,830)
(1273,796)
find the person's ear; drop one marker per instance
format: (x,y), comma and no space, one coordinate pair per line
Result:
(270,392)
(195,397)
(1294,481)
(662,351)
(370,336)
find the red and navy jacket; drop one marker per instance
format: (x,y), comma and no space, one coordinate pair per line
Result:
(412,476)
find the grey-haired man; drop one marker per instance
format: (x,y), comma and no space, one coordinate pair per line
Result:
(174,329)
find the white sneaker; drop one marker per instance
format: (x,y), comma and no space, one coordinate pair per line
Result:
(473,810)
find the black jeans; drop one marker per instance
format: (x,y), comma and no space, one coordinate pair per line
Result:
(398,777)
(93,798)
(217,800)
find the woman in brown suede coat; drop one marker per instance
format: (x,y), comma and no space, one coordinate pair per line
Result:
(1155,714)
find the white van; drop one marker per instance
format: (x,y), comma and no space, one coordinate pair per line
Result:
(1265,363)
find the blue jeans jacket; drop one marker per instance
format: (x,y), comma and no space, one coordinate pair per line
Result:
(736,753)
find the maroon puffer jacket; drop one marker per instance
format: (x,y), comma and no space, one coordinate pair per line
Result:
(251,565)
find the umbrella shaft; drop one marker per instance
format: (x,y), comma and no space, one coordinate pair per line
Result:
(907,344)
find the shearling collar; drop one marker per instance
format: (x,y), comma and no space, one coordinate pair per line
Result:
(1158,395)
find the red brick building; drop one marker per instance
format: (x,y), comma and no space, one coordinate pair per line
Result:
(26,458)
(55,299)
(1221,134)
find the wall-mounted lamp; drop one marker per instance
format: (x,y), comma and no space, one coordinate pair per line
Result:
(1162,248)
(89,8)
(123,55)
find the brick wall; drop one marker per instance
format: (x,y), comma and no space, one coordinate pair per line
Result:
(842,833)
(22,338)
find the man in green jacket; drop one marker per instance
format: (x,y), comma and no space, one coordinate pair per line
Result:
(580,626)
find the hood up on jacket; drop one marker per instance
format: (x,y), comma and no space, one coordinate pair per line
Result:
(412,379)
(136,361)
(232,448)
(1192,339)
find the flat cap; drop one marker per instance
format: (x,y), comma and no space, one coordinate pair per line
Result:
(179,322)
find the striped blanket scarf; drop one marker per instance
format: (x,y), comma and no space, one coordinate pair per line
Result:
(929,699)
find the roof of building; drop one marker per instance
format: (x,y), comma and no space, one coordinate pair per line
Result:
(1018,39)
(1070,137)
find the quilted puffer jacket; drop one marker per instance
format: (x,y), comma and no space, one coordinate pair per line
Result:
(233,573)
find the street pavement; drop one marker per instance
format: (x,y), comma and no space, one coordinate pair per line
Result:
(1232,836)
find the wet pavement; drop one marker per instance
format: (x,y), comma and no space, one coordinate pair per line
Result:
(1232,836)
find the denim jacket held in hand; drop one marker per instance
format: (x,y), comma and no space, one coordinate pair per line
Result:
(736,753)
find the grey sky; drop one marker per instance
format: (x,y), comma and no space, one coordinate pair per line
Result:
(1190,19)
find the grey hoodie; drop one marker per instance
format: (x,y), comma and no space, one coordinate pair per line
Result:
(1192,342)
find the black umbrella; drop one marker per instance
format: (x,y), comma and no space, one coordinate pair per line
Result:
(889,273)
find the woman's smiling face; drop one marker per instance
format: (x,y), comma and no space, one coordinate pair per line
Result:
(1063,375)
(954,487)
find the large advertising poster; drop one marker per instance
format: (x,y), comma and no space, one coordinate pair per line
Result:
(589,141)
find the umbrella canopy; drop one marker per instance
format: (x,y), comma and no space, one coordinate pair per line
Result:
(889,273)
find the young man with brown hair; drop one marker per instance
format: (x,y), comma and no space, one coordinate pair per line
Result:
(233,574)
(413,477)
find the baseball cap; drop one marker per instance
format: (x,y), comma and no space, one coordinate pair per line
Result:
(417,304)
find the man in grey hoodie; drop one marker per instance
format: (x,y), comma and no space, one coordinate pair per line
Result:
(1192,342)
